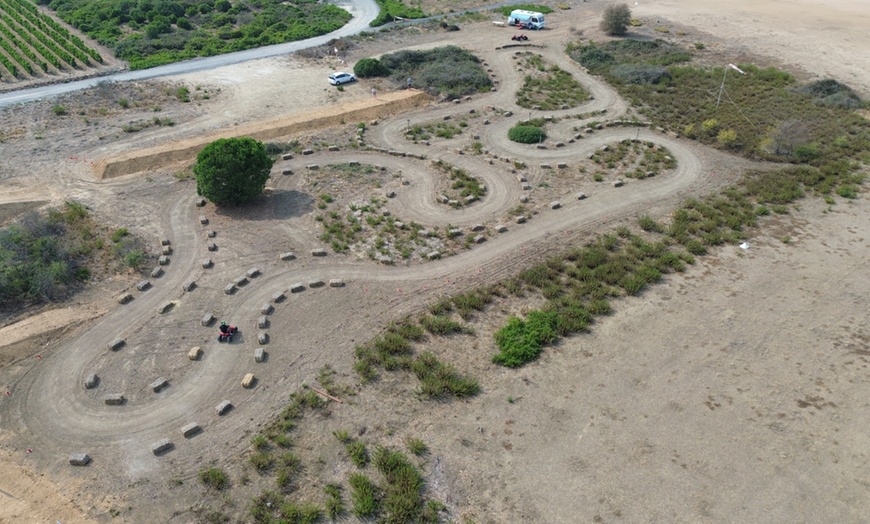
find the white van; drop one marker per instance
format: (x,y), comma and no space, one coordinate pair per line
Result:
(526,19)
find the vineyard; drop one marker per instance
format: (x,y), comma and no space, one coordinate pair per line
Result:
(34,44)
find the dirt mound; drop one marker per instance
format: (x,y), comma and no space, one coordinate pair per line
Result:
(177,152)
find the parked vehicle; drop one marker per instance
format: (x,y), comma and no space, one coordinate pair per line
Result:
(339,78)
(526,19)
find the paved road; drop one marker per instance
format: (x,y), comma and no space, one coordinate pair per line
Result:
(363,11)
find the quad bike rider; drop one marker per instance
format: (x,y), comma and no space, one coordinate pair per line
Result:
(226,332)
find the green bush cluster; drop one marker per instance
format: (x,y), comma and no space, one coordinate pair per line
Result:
(440,129)
(370,68)
(270,457)
(214,478)
(364,495)
(640,73)
(549,86)
(441,325)
(764,114)
(831,93)
(271,506)
(462,184)
(449,71)
(536,8)
(440,380)
(232,170)
(334,504)
(638,159)
(402,493)
(393,350)
(616,19)
(521,341)
(526,134)
(44,256)
(149,34)
(392,9)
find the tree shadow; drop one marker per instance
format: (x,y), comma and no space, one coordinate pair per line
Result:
(277,204)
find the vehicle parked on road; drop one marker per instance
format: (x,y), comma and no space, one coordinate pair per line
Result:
(339,78)
(526,19)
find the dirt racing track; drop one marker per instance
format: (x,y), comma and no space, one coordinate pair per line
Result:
(51,404)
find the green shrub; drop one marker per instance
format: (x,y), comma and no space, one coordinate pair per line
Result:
(363,496)
(616,19)
(647,223)
(727,138)
(214,478)
(548,87)
(441,325)
(535,8)
(831,93)
(438,380)
(262,461)
(640,73)
(449,71)
(847,191)
(416,446)
(334,504)
(390,10)
(392,344)
(358,453)
(526,134)
(402,501)
(407,330)
(370,68)
(260,442)
(521,341)
(264,505)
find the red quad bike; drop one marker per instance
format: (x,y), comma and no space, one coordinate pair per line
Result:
(228,336)
(519,38)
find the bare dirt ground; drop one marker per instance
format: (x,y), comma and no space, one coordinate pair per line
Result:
(730,393)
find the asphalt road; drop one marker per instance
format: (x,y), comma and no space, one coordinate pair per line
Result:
(363,11)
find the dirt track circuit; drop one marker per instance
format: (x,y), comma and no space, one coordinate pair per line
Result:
(60,417)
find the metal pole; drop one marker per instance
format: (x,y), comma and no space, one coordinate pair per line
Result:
(721,88)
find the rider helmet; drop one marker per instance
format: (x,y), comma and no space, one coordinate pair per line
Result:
(223,323)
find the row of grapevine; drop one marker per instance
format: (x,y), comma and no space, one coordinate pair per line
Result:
(18,46)
(51,28)
(8,63)
(44,42)
(31,38)
(48,58)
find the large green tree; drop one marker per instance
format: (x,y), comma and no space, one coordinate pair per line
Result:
(616,20)
(232,170)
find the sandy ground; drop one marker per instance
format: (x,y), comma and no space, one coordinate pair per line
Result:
(822,39)
(730,393)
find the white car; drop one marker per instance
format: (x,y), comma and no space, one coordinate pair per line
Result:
(337,79)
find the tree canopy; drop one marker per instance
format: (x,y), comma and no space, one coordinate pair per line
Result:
(616,19)
(232,170)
